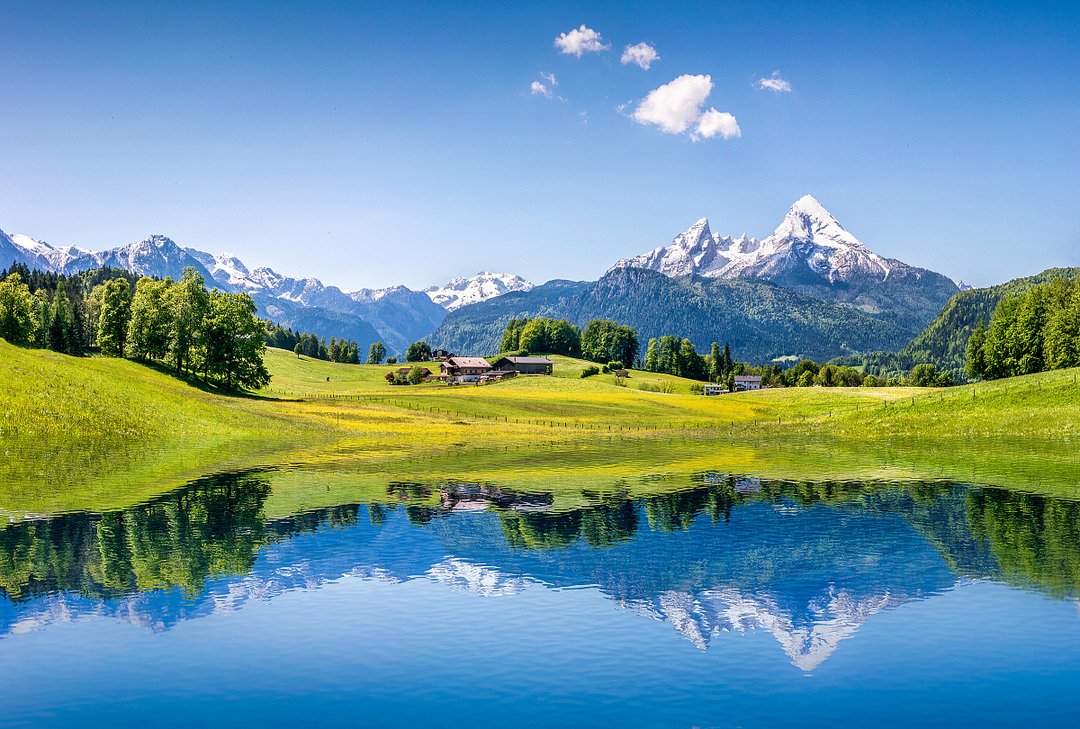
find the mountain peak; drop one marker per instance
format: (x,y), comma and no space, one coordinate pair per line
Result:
(809,205)
(485,285)
(158,241)
(809,221)
(695,236)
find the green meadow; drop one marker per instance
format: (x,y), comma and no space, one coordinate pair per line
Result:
(94,432)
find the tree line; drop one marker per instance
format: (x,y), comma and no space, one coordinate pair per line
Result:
(342,351)
(52,311)
(1030,332)
(311,345)
(601,341)
(209,333)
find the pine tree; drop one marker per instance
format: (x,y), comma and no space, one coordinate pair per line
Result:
(59,327)
(976,357)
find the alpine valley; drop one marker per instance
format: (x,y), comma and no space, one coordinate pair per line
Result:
(810,289)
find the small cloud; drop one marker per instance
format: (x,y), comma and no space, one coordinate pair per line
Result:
(584,117)
(718,123)
(642,54)
(545,90)
(775,83)
(582,40)
(675,107)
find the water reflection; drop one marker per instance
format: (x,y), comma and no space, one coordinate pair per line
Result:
(809,562)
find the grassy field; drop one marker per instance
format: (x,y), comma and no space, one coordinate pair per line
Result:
(88,432)
(566,401)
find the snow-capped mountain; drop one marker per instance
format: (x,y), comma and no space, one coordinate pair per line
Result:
(697,251)
(16,248)
(481,287)
(225,268)
(154,256)
(809,240)
(369,296)
(400,315)
(813,254)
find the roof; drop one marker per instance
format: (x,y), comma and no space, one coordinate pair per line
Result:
(529,360)
(468,362)
(748,378)
(523,361)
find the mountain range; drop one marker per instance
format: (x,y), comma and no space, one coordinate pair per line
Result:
(810,289)
(762,321)
(396,315)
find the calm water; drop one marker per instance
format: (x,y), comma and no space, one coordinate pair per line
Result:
(722,602)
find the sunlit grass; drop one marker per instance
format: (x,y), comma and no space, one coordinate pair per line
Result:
(88,432)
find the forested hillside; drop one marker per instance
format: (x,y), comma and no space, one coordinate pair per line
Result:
(944,342)
(760,320)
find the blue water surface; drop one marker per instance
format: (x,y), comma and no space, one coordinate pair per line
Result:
(734,604)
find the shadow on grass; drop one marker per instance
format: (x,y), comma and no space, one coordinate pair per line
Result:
(195,381)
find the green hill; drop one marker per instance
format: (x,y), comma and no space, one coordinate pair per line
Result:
(762,321)
(944,342)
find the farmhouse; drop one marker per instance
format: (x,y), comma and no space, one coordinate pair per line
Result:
(464,369)
(524,365)
(747,382)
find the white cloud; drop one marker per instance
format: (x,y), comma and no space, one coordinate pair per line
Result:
(542,89)
(580,41)
(713,123)
(774,83)
(642,54)
(675,107)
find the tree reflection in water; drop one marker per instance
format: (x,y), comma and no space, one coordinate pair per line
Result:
(216,527)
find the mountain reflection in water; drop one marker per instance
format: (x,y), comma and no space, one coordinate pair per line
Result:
(808,562)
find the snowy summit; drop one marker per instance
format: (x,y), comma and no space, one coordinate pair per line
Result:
(808,244)
(481,287)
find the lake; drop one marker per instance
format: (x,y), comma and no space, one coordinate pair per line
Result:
(340,596)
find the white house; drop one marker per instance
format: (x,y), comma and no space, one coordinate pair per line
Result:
(747,382)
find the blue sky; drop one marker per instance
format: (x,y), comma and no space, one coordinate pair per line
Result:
(372,144)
